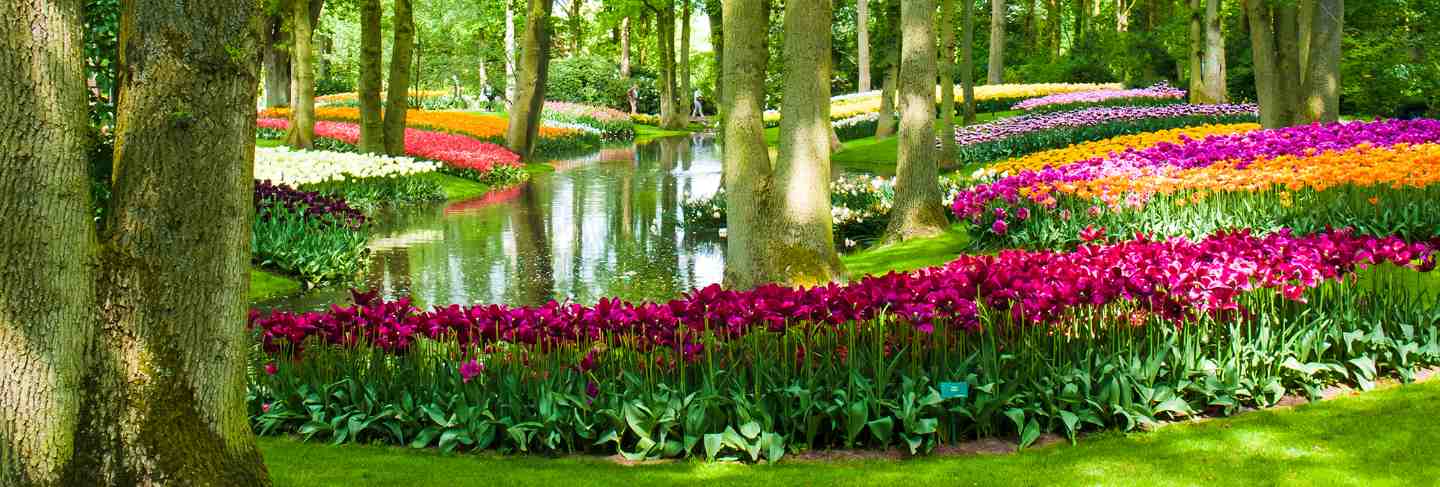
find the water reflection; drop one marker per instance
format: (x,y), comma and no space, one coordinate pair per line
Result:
(604,225)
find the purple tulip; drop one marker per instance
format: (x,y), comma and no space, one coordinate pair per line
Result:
(999,227)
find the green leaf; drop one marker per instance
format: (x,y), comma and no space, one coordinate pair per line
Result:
(712,446)
(424,438)
(855,416)
(1029,434)
(882,429)
(1071,421)
(750,430)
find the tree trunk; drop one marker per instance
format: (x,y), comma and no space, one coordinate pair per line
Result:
(1274,109)
(625,47)
(175,266)
(534,64)
(302,68)
(748,173)
(917,212)
(716,17)
(47,302)
(577,27)
(277,62)
(1287,39)
(686,89)
(397,95)
(995,73)
(947,80)
(1213,61)
(671,116)
(1321,88)
(1198,93)
(862,41)
(372,125)
(509,55)
(967,67)
(885,126)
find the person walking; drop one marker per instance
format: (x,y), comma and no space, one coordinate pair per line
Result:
(634,95)
(697,109)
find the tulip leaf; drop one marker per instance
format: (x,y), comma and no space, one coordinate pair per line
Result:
(882,428)
(712,446)
(750,430)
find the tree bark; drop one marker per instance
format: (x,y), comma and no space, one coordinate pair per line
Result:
(686,89)
(671,116)
(510,56)
(1321,88)
(967,70)
(885,126)
(534,68)
(746,161)
(1213,61)
(302,68)
(372,125)
(1274,110)
(1287,40)
(397,95)
(947,80)
(277,62)
(862,41)
(625,47)
(917,212)
(1196,53)
(47,300)
(995,72)
(577,27)
(716,16)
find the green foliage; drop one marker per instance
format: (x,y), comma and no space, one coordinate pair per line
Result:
(595,80)
(766,395)
(318,250)
(369,194)
(102,54)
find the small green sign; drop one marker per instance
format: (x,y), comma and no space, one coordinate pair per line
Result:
(950,390)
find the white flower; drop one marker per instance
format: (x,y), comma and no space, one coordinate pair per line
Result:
(281,165)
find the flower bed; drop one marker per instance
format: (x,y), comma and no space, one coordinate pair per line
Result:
(486,128)
(612,124)
(424,99)
(461,155)
(315,237)
(1160,94)
(1046,341)
(1377,177)
(1112,146)
(299,167)
(1027,134)
(988,98)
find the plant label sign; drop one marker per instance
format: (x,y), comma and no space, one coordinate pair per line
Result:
(951,390)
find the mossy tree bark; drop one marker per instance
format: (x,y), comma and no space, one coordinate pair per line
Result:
(302,84)
(625,47)
(125,362)
(534,68)
(277,61)
(1321,86)
(397,95)
(746,161)
(1293,48)
(372,125)
(672,114)
(995,71)
(967,65)
(917,212)
(885,126)
(947,80)
(686,89)
(47,300)
(862,43)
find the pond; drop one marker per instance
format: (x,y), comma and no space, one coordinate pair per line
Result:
(604,225)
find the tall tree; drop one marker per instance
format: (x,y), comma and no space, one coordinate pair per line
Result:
(745,156)
(1207,53)
(862,42)
(302,86)
(510,55)
(276,59)
(716,16)
(672,114)
(372,125)
(917,211)
(625,47)
(534,69)
(885,126)
(967,65)
(1321,84)
(947,80)
(686,89)
(1281,65)
(576,22)
(127,359)
(995,71)
(397,96)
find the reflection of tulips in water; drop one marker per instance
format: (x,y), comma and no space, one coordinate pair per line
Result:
(491,198)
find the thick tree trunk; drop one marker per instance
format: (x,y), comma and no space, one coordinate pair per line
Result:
(967,66)
(995,72)
(862,42)
(175,267)
(277,62)
(748,172)
(1321,88)
(302,87)
(1195,55)
(1213,60)
(372,125)
(1274,109)
(686,90)
(947,80)
(510,56)
(1287,40)
(716,17)
(47,300)
(625,47)
(917,212)
(397,95)
(885,126)
(671,114)
(534,64)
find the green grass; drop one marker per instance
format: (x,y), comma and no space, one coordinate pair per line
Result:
(908,256)
(880,155)
(266,285)
(269,142)
(1376,438)
(644,133)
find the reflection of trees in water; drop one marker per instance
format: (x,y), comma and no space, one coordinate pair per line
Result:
(535,279)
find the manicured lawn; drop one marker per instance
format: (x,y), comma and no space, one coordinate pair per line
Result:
(265,285)
(269,142)
(643,133)
(879,155)
(1376,438)
(908,256)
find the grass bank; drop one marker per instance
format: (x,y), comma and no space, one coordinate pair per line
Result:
(1376,438)
(265,285)
(908,256)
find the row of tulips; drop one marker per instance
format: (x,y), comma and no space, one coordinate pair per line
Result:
(482,161)
(1373,176)
(484,128)
(316,237)
(1110,147)
(1159,94)
(298,167)
(1114,335)
(988,98)
(612,124)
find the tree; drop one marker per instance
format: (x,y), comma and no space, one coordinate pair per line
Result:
(1207,53)
(372,125)
(862,42)
(947,80)
(397,96)
(885,126)
(625,47)
(302,87)
(967,65)
(745,155)
(534,68)
(276,60)
(716,16)
(127,359)
(510,55)
(995,72)
(917,212)
(686,90)
(672,114)
(1277,35)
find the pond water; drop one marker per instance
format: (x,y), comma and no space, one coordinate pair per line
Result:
(604,225)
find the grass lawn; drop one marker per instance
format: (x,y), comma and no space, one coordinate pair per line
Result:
(269,142)
(880,154)
(265,285)
(1376,438)
(908,256)
(645,133)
